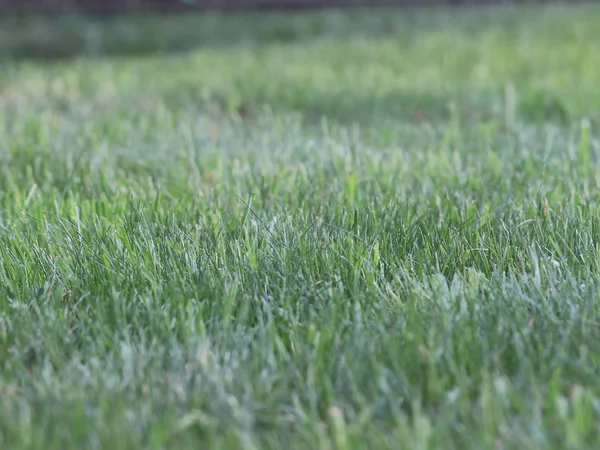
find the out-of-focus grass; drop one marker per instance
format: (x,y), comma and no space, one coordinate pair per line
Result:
(328,230)
(353,66)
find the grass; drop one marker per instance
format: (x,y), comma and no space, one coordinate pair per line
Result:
(338,230)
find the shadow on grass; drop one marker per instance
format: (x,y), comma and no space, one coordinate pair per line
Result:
(65,36)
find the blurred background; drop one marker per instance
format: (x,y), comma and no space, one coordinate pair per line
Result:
(362,61)
(54,29)
(173,5)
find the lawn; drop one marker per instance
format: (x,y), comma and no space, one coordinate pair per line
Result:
(359,229)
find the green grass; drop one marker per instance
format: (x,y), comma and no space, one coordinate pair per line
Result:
(330,230)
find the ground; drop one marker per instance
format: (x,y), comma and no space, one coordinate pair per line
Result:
(359,229)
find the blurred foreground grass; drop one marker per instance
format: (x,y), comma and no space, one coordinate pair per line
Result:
(365,229)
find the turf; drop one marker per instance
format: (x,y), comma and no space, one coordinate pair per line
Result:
(360,229)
